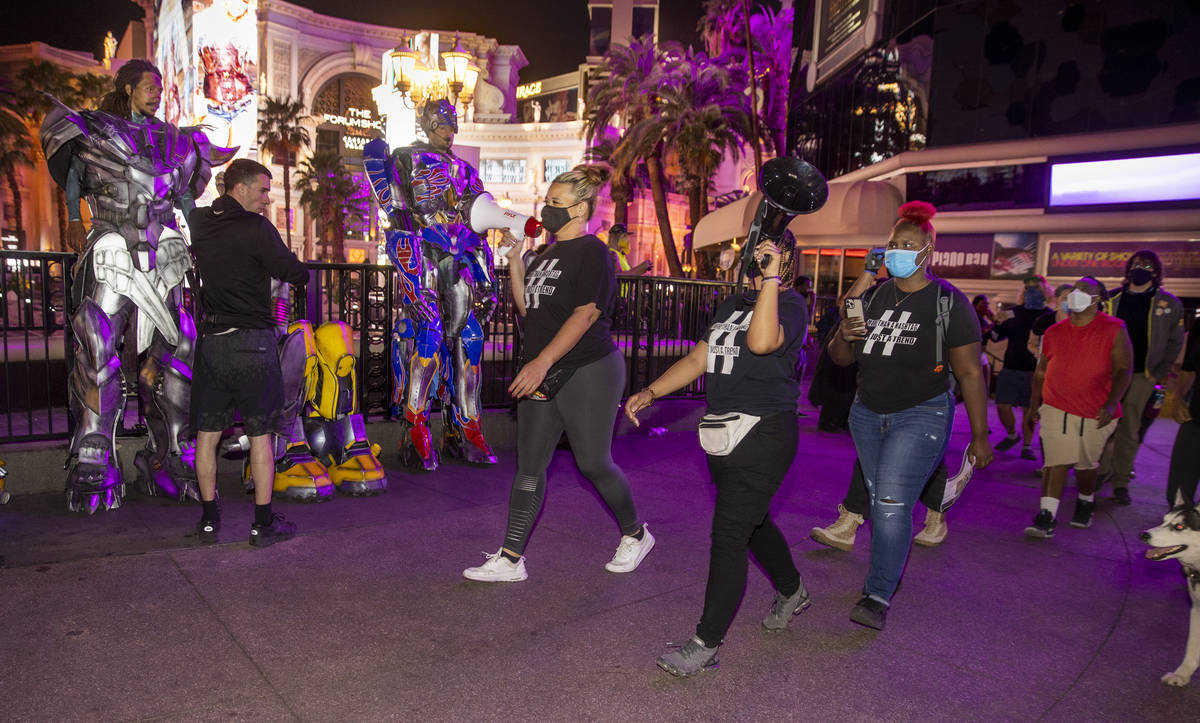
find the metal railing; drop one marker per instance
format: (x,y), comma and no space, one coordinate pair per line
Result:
(656,322)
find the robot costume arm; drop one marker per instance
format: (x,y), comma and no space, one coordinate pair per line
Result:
(483,268)
(61,130)
(391,182)
(207,156)
(74,189)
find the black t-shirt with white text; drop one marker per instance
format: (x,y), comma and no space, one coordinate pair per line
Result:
(897,362)
(568,275)
(738,380)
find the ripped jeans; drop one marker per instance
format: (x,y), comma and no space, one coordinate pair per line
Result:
(898,453)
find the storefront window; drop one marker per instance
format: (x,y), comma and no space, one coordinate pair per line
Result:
(829,269)
(852,266)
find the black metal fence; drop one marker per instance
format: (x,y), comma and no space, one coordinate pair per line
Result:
(656,322)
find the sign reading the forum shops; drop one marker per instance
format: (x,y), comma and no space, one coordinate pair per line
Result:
(1181,259)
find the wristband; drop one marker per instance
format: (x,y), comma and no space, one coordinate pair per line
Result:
(776,279)
(650,391)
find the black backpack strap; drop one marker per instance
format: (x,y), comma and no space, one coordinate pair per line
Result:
(945,302)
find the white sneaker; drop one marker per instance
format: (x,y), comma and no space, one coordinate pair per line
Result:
(497,569)
(631,552)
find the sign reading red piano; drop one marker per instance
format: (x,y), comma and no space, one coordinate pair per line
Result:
(1181,259)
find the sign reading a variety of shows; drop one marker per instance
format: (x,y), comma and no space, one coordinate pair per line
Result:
(1107,260)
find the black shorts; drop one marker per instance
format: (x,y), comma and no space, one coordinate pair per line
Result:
(238,370)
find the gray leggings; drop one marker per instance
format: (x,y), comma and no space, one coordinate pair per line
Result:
(586,408)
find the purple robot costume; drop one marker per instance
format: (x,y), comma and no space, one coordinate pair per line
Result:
(133,173)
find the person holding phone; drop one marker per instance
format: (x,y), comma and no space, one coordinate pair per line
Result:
(747,358)
(918,329)
(572,375)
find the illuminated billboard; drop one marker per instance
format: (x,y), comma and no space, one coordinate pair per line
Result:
(225,34)
(174,58)
(844,29)
(1126,180)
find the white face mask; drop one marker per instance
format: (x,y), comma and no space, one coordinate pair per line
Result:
(1078,300)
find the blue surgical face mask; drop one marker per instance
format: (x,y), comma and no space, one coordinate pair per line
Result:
(902,263)
(1063,307)
(1035,299)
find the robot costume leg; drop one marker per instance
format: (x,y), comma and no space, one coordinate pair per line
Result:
(403,335)
(167,465)
(298,475)
(461,432)
(416,447)
(97,398)
(334,426)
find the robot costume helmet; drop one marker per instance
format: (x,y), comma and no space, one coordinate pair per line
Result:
(438,113)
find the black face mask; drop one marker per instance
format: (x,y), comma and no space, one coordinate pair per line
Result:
(1137,277)
(555,217)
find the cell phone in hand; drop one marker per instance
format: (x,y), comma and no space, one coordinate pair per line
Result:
(874,259)
(854,308)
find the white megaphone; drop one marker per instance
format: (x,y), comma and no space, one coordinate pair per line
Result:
(485,214)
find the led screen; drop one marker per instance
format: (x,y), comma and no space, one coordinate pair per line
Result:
(1126,180)
(226,62)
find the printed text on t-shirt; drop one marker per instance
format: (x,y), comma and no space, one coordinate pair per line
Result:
(889,333)
(535,286)
(720,341)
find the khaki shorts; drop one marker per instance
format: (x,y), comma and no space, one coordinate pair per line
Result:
(1069,440)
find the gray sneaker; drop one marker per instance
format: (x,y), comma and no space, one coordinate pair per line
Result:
(691,658)
(784,608)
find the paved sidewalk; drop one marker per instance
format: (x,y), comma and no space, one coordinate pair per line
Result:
(364,616)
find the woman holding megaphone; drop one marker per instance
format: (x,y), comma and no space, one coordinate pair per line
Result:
(571,377)
(748,360)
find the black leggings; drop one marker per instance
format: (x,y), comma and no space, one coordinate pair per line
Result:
(586,407)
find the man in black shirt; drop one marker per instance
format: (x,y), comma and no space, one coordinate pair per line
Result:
(1013,385)
(237,253)
(1154,319)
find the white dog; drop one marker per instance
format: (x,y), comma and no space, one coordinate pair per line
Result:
(1178,537)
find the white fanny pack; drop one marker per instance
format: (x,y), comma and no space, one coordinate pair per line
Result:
(720,434)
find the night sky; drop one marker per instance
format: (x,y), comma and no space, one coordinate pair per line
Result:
(552,33)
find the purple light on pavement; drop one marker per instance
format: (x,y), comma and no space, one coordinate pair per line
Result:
(1126,180)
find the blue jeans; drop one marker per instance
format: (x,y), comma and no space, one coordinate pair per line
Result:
(898,452)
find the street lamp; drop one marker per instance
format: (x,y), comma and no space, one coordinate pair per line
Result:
(404,62)
(456,61)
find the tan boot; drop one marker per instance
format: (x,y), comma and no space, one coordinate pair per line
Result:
(935,529)
(841,533)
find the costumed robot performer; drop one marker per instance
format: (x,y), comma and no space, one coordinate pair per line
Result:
(326,448)
(447,283)
(134,170)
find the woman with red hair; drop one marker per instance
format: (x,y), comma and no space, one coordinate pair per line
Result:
(914,331)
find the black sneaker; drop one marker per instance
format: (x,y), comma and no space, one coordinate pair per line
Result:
(277,531)
(869,612)
(207,530)
(1007,443)
(1027,453)
(1042,527)
(1083,513)
(1121,495)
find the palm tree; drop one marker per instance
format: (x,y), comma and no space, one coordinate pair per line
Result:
(723,29)
(327,191)
(88,90)
(280,133)
(33,82)
(622,183)
(15,151)
(630,89)
(706,117)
